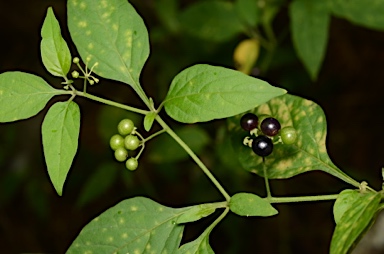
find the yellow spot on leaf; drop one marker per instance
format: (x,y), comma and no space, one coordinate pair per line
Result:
(110,239)
(89,32)
(125,235)
(82,24)
(104,4)
(284,164)
(115,27)
(319,136)
(134,208)
(106,15)
(90,46)
(121,221)
(83,5)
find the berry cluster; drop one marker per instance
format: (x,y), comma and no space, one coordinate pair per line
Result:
(126,140)
(267,131)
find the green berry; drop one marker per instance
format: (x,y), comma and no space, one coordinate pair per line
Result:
(288,135)
(131,164)
(121,154)
(75,74)
(76,60)
(116,141)
(125,126)
(131,142)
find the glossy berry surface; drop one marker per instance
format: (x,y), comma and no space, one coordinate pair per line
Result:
(131,164)
(116,141)
(270,126)
(121,154)
(131,142)
(125,127)
(249,121)
(288,135)
(262,146)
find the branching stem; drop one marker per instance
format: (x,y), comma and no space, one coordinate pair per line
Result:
(193,156)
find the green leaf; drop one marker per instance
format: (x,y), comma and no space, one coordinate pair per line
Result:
(248,12)
(136,225)
(309,27)
(198,246)
(343,202)
(167,12)
(23,95)
(60,131)
(112,34)
(197,212)
(202,93)
(308,153)
(368,13)
(211,20)
(148,120)
(97,183)
(201,244)
(248,204)
(166,149)
(353,223)
(54,50)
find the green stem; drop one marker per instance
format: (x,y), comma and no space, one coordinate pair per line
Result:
(302,199)
(193,156)
(218,219)
(269,195)
(154,135)
(112,103)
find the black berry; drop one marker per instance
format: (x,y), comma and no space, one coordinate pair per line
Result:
(270,126)
(262,146)
(249,121)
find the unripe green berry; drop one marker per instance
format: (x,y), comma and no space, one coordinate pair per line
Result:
(116,141)
(288,135)
(121,154)
(76,60)
(131,164)
(75,74)
(125,126)
(131,142)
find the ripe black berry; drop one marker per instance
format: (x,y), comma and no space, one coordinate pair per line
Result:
(249,121)
(270,126)
(262,146)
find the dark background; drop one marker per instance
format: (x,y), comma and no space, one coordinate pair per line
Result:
(349,89)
